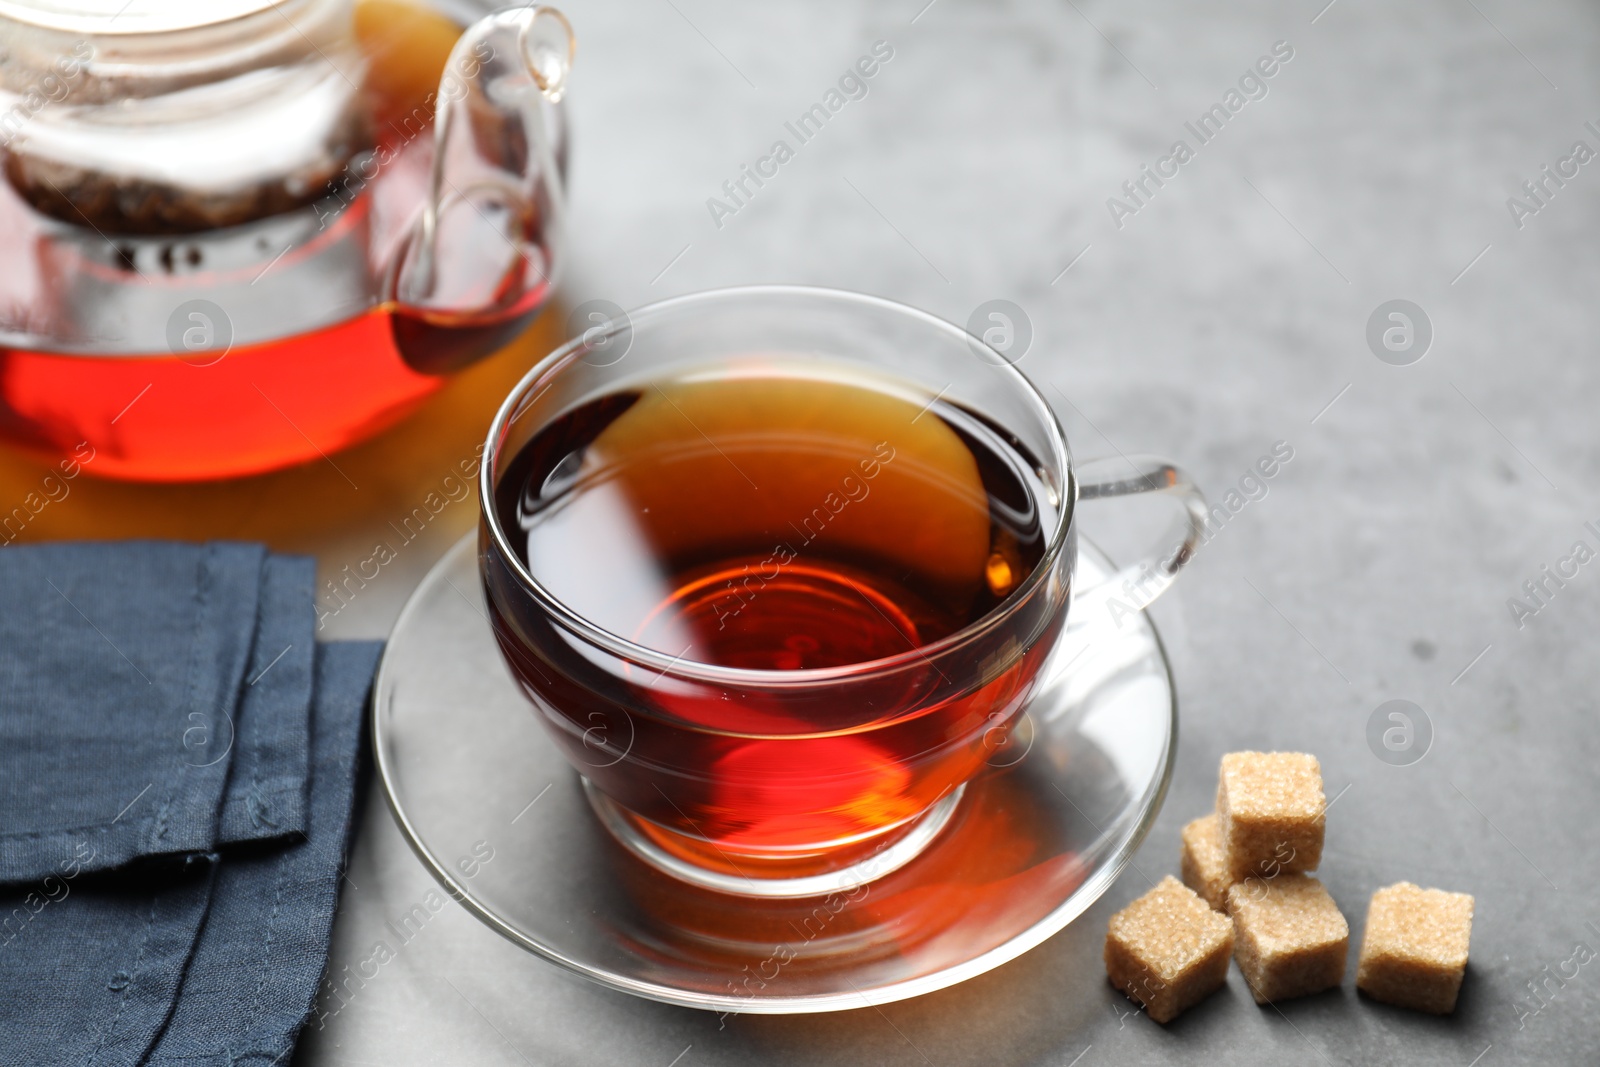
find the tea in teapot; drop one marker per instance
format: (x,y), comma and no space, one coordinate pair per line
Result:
(236,235)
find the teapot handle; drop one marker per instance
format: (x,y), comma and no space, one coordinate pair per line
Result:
(487,244)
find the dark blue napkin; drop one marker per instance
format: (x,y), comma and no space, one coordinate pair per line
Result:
(204,959)
(255,972)
(120,669)
(90,964)
(266,795)
(177,767)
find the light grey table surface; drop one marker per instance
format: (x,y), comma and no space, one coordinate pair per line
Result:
(1227,313)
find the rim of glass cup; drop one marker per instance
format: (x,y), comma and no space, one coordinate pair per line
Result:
(573,350)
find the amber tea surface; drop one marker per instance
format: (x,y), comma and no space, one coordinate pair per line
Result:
(772,523)
(777,518)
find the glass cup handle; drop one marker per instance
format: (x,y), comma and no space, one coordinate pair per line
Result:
(1133,587)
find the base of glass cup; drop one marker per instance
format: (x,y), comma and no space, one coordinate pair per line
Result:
(793,873)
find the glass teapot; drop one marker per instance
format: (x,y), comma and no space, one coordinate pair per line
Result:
(239,234)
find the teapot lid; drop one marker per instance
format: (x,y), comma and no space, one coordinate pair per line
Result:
(128,16)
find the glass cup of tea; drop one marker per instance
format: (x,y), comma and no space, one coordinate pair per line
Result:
(779,568)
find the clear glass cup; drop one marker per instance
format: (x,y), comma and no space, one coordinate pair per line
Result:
(834,776)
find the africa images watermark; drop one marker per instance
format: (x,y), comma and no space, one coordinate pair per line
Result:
(1542,188)
(1540,590)
(1544,987)
(1140,190)
(1253,486)
(52,490)
(52,890)
(749,983)
(1140,591)
(1399,732)
(343,588)
(53,88)
(852,85)
(852,489)
(338,990)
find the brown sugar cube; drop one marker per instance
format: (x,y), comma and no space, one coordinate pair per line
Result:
(1289,937)
(1168,950)
(1270,810)
(1205,864)
(1414,952)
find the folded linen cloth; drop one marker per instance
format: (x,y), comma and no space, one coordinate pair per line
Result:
(266,795)
(177,767)
(120,669)
(254,976)
(91,964)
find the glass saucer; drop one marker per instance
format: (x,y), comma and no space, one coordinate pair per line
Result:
(501,820)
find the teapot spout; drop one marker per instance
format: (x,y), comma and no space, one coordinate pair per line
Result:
(485,251)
